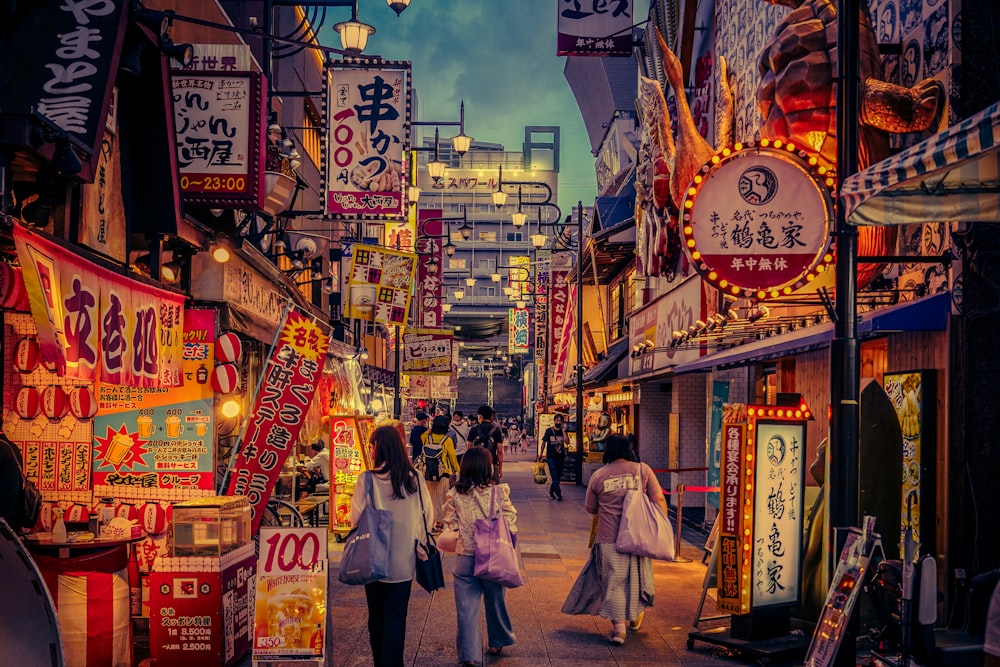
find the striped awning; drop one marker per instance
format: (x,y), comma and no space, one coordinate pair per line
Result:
(954,175)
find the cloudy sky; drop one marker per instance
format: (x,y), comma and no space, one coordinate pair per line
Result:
(497,55)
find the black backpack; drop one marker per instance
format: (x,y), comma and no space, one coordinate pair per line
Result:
(486,440)
(29,504)
(432,462)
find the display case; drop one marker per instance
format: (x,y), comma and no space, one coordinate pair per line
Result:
(211,526)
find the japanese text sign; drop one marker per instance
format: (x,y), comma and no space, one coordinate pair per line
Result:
(735,521)
(427,352)
(220,134)
(380,284)
(286,389)
(757,222)
(67,55)
(518,330)
(559,312)
(159,445)
(350,454)
(95,323)
(430,270)
(777,525)
(594,28)
(290,604)
(368,131)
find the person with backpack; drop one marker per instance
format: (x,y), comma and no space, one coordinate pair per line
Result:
(489,435)
(439,464)
(555,439)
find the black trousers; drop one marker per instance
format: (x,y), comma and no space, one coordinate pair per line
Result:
(555,471)
(387,605)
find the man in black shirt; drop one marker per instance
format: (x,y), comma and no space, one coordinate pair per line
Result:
(555,439)
(489,435)
(419,427)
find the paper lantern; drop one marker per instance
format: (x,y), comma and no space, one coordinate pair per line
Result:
(28,403)
(27,355)
(54,402)
(154,518)
(228,348)
(13,293)
(127,511)
(77,514)
(46,517)
(225,378)
(82,402)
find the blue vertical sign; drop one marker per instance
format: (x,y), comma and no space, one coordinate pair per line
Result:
(720,396)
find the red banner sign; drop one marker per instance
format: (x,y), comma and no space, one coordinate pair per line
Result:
(283,397)
(94,323)
(559,308)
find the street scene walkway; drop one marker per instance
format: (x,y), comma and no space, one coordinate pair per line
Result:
(553,542)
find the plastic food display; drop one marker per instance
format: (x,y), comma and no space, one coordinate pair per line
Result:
(211,526)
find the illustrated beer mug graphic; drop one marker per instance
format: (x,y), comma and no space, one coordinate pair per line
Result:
(174,427)
(146,428)
(119,448)
(363,301)
(289,616)
(201,428)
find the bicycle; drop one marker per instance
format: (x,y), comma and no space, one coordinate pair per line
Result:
(281,513)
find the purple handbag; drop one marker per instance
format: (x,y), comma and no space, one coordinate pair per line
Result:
(644,530)
(496,555)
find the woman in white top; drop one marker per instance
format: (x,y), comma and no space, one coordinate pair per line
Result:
(467,501)
(396,485)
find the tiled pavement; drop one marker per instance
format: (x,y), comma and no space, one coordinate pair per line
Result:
(553,542)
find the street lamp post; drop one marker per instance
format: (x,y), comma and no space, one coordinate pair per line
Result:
(579,343)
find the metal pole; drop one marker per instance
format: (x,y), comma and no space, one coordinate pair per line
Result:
(397,402)
(579,343)
(844,360)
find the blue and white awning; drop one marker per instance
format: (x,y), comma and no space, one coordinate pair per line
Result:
(954,175)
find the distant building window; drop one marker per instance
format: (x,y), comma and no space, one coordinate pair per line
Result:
(514,237)
(489,237)
(456,263)
(486,291)
(486,265)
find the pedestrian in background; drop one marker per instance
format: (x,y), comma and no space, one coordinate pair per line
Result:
(438,445)
(626,580)
(416,433)
(468,501)
(489,435)
(395,484)
(555,439)
(459,433)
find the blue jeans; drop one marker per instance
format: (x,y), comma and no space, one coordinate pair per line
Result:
(387,606)
(555,472)
(469,590)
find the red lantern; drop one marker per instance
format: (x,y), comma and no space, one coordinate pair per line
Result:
(225,378)
(127,511)
(27,356)
(77,514)
(28,403)
(45,516)
(54,402)
(154,518)
(228,348)
(82,402)
(13,293)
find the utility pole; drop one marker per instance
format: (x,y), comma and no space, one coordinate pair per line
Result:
(579,343)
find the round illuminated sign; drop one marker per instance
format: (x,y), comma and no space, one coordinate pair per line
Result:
(757,220)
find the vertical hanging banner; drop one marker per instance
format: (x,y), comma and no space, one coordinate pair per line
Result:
(220,137)
(594,28)
(94,323)
(559,310)
(427,352)
(430,270)
(369,128)
(380,285)
(286,389)
(350,455)
(518,276)
(518,330)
